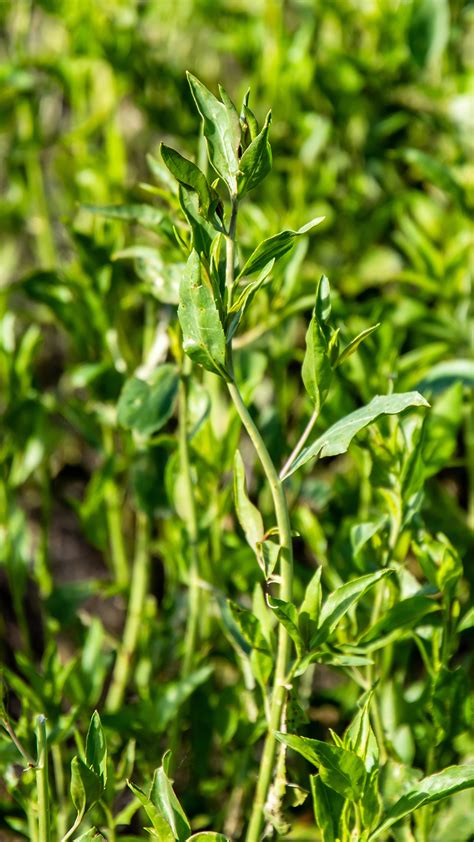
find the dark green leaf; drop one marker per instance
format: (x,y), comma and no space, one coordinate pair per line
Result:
(221,130)
(340,601)
(327,806)
(275,247)
(249,516)
(256,162)
(190,176)
(341,770)
(96,748)
(86,786)
(203,334)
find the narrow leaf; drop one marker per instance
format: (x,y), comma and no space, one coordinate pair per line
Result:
(162,795)
(187,173)
(249,516)
(340,601)
(275,247)
(256,162)
(354,343)
(221,130)
(96,748)
(341,770)
(337,438)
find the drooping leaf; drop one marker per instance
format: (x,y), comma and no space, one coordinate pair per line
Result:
(96,748)
(336,439)
(249,516)
(341,770)
(256,162)
(146,406)
(221,130)
(427,791)
(203,334)
(275,247)
(190,176)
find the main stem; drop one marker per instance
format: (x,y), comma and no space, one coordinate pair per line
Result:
(138,592)
(44,819)
(267,763)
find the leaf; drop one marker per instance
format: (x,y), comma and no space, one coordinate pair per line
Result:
(327,806)
(310,607)
(203,334)
(96,748)
(341,770)
(243,300)
(428,31)
(288,616)
(191,177)
(435,172)
(86,786)
(256,162)
(249,516)
(354,343)
(275,247)
(404,614)
(317,369)
(444,374)
(146,406)
(89,836)
(162,795)
(160,824)
(336,439)
(427,791)
(268,555)
(221,130)
(208,836)
(174,693)
(145,215)
(340,601)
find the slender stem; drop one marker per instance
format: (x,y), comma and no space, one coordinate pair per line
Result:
(60,789)
(230,254)
(44,819)
(192,530)
(267,763)
(138,593)
(299,445)
(118,553)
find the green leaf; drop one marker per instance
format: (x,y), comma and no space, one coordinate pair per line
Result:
(145,407)
(310,607)
(427,791)
(221,130)
(444,374)
(207,836)
(203,232)
(249,516)
(256,162)
(160,824)
(341,770)
(163,797)
(317,369)
(354,343)
(407,613)
(145,215)
(96,748)
(191,177)
(86,786)
(288,616)
(203,334)
(435,172)
(275,247)
(340,601)
(327,806)
(336,439)
(428,32)
(89,836)
(174,693)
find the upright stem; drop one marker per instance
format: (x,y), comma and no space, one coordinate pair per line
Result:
(138,592)
(267,763)
(44,820)
(113,505)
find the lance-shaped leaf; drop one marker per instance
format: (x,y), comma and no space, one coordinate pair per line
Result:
(160,825)
(249,516)
(145,215)
(190,176)
(406,614)
(341,770)
(317,369)
(287,615)
(427,791)
(203,334)
(256,162)
(275,247)
(162,795)
(327,805)
(354,343)
(244,298)
(221,130)
(340,601)
(86,786)
(96,748)
(145,406)
(336,439)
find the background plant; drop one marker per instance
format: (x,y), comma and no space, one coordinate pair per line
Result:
(369,129)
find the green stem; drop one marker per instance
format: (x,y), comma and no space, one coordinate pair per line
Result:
(60,790)
(230,255)
(136,603)
(44,819)
(299,445)
(113,504)
(267,763)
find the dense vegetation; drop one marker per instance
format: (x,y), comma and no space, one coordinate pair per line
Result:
(236,497)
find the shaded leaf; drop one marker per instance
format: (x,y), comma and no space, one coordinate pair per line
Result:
(340,601)
(249,516)
(145,406)
(341,770)
(96,748)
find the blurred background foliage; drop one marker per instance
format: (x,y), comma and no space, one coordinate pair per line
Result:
(373,126)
